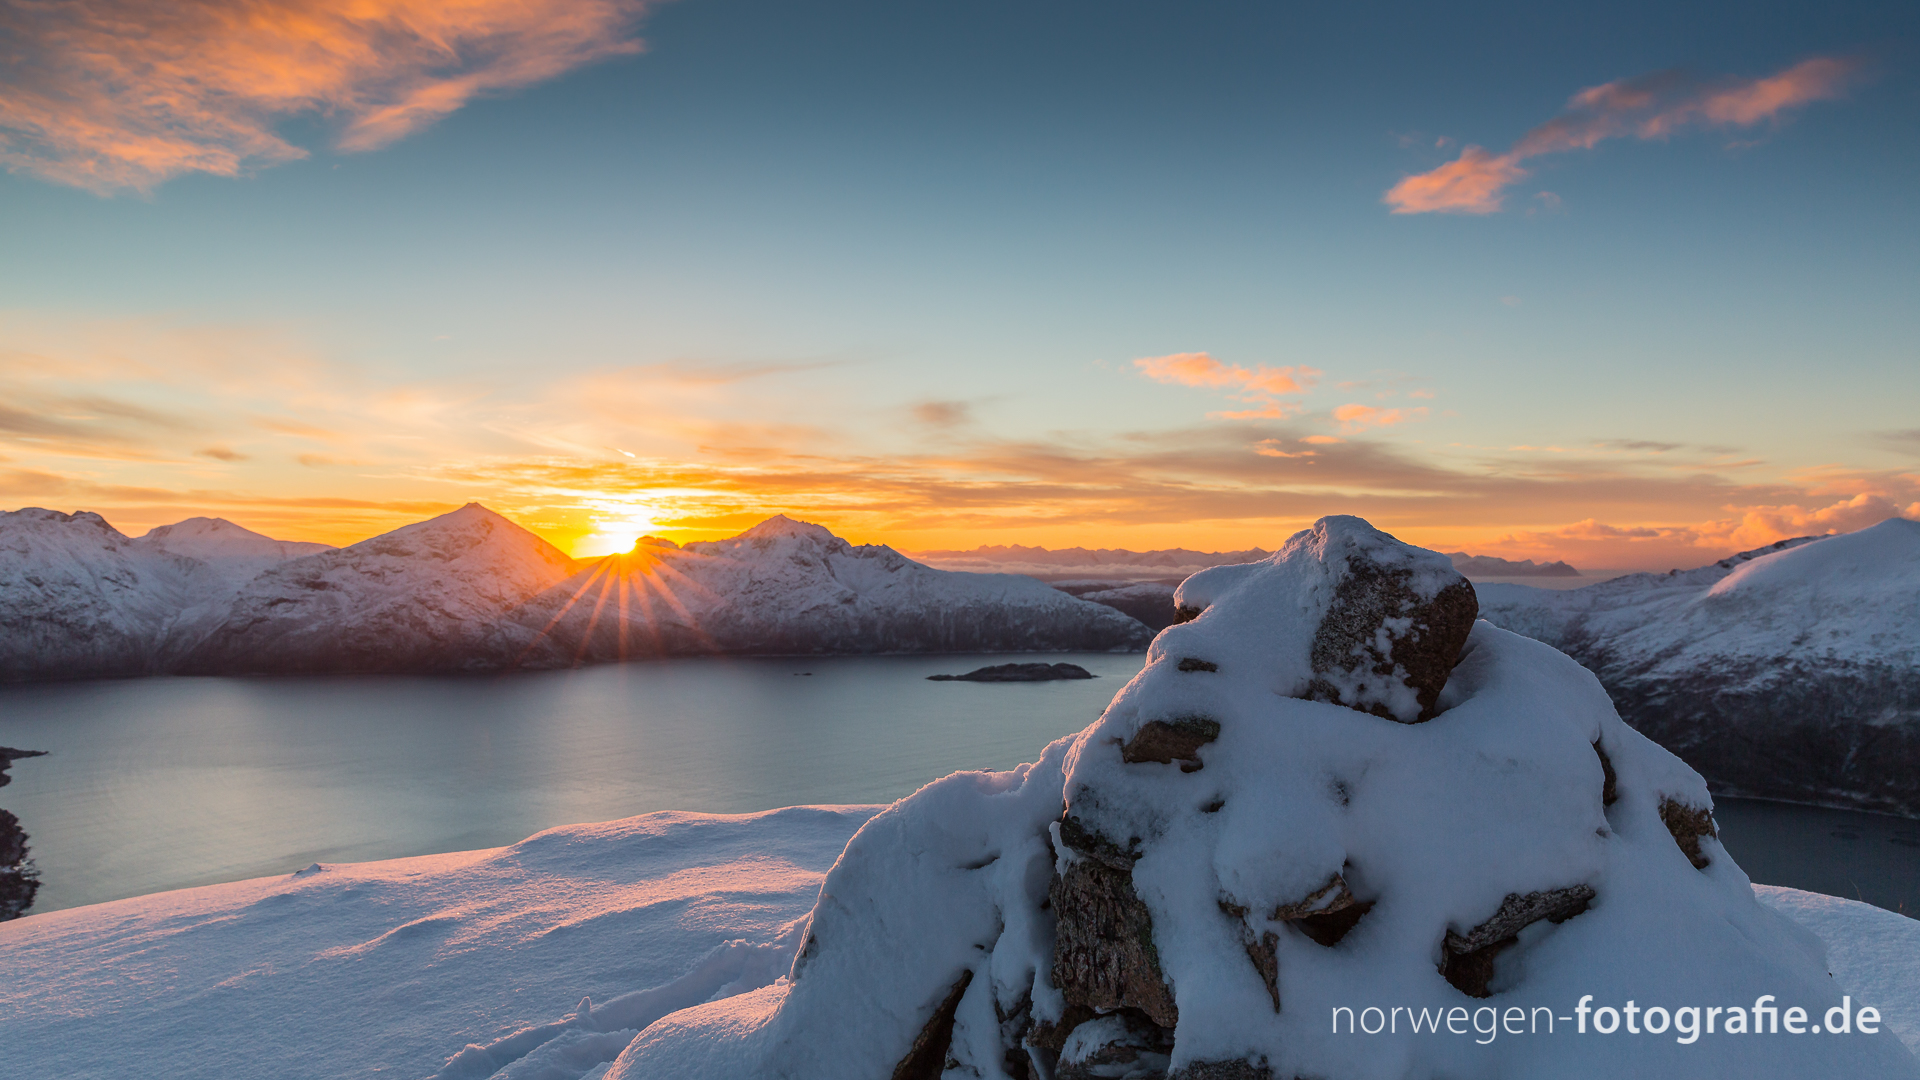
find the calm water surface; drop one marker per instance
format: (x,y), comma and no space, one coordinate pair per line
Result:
(155,784)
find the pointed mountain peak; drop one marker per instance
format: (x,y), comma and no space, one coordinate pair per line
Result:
(780,526)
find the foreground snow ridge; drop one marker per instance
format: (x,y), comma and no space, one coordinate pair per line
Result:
(1296,807)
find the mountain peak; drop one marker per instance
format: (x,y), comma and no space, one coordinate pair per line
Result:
(780,525)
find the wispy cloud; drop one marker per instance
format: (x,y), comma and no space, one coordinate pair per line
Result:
(1260,385)
(122,94)
(1652,106)
(1360,417)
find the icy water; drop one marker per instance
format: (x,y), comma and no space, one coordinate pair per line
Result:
(155,784)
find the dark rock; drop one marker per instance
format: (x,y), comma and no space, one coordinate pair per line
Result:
(8,755)
(1121,1046)
(1104,957)
(1347,643)
(1468,958)
(1224,1070)
(1167,741)
(1191,663)
(1610,786)
(19,881)
(1183,613)
(1019,673)
(1688,824)
(1327,914)
(927,1058)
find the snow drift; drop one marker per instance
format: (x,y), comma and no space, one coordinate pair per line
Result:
(1789,672)
(1301,804)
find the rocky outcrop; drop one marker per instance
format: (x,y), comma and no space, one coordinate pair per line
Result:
(1231,858)
(19,880)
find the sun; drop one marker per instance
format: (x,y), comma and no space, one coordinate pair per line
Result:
(612,536)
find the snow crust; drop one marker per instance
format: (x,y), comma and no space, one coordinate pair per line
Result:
(394,968)
(471,964)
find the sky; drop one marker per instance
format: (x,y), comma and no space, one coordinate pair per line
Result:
(1630,285)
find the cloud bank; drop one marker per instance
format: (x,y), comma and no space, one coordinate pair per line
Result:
(1652,106)
(112,95)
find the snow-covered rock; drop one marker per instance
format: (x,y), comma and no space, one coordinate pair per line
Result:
(424,597)
(1509,846)
(787,586)
(1789,672)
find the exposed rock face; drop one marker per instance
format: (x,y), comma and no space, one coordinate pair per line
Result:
(927,1058)
(1382,637)
(1181,923)
(1787,672)
(1168,741)
(1018,673)
(1689,825)
(1104,956)
(1469,958)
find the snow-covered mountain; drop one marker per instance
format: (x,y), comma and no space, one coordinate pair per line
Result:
(1789,672)
(787,586)
(79,599)
(424,597)
(472,591)
(234,553)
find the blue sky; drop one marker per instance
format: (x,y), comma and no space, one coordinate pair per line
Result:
(890,267)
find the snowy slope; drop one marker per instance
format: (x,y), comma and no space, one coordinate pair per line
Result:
(80,600)
(420,598)
(389,969)
(787,586)
(1789,672)
(234,553)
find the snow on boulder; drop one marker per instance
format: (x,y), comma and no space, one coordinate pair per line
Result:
(420,598)
(1342,823)
(785,587)
(1789,672)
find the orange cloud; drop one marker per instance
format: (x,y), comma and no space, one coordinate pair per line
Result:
(1359,417)
(1259,385)
(1647,107)
(123,94)
(1469,184)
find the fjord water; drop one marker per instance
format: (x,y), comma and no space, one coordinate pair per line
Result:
(154,784)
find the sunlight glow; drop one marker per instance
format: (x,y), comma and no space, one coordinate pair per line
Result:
(613,535)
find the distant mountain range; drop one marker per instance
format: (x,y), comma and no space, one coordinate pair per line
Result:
(471,591)
(1169,565)
(1787,672)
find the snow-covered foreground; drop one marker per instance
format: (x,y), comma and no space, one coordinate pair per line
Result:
(391,968)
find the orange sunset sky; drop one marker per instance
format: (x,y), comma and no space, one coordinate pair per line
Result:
(958,276)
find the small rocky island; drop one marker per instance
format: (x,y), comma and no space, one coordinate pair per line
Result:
(1019,673)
